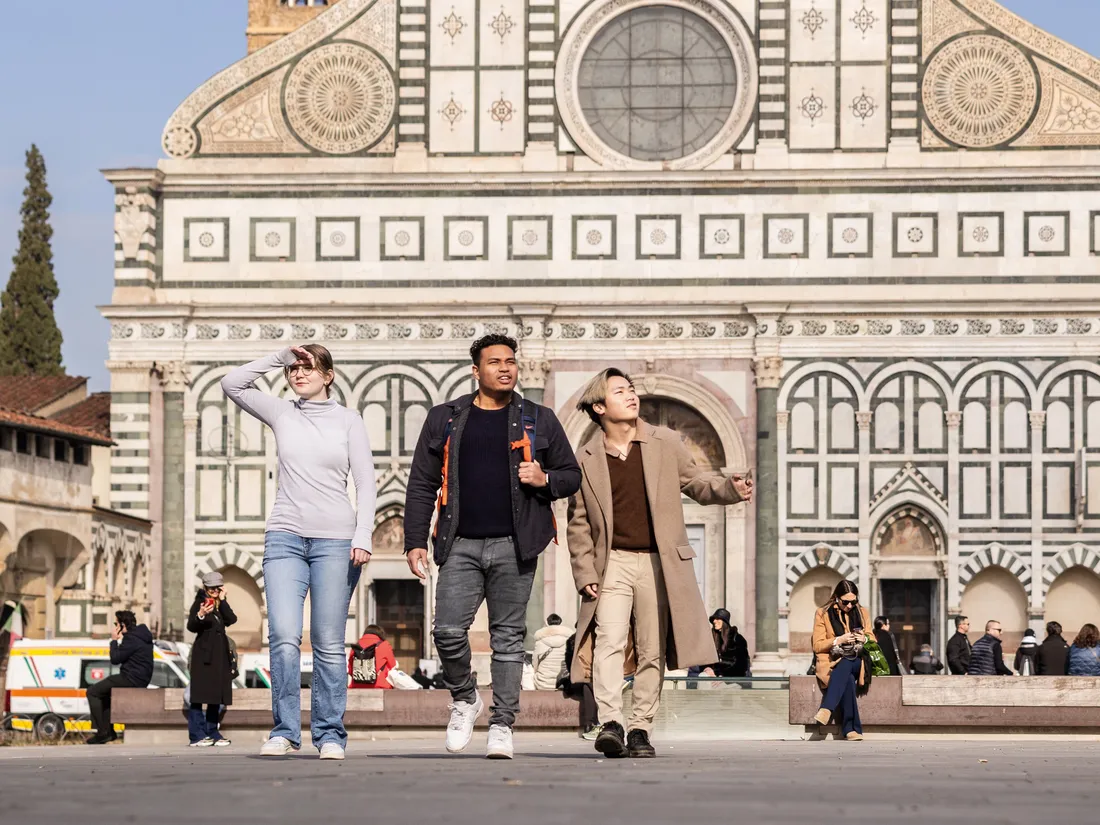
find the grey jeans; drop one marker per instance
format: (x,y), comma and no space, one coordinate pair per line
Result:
(486,570)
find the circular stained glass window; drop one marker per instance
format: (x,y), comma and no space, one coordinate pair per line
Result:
(657,83)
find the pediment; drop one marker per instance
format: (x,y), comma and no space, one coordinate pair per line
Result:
(328,88)
(909,479)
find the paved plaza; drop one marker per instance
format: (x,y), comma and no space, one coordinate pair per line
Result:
(558,779)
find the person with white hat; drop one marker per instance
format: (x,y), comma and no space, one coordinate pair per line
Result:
(211,660)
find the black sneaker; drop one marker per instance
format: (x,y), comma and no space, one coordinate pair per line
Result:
(637,745)
(611,742)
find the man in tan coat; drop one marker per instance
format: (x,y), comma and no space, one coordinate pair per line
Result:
(632,562)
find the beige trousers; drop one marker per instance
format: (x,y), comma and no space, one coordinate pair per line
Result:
(633,584)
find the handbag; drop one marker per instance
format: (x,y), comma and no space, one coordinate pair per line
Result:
(364,668)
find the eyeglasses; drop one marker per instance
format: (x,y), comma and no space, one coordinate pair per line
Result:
(303,369)
(849,602)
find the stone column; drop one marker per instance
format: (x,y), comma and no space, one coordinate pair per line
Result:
(174,379)
(1037,609)
(532,377)
(953,419)
(767,660)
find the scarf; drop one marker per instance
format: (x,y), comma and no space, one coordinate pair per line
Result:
(836,620)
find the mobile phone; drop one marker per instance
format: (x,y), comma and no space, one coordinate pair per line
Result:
(209,603)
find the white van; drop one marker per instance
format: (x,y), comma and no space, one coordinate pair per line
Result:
(47,680)
(255,669)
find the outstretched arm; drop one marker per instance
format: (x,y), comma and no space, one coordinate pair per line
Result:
(239,386)
(705,488)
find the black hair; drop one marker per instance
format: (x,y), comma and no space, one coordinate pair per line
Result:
(376,630)
(881,621)
(959,620)
(553,619)
(494,340)
(844,587)
(126,618)
(1054,629)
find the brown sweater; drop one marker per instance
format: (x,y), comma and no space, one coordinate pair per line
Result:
(633,527)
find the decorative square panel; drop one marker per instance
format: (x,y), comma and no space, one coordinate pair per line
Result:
(786,236)
(721,236)
(851,236)
(271,239)
(401,239)
(1094,233)
(1046,233)
(657,236)
(530,237)
(465,238)
(593,237)
(916,235)
(982,234)
(206,239)
(338,239)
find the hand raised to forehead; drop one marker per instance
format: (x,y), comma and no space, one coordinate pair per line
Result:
(303,354)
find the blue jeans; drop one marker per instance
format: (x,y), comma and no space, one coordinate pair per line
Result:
(293,565)
(203,725)
(840,696)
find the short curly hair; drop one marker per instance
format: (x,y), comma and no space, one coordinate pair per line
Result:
(1088,637)
(494,340)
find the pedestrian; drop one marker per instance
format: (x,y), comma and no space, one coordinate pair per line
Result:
(497,463)
(371,659)
(132,651)
(315,541)
(582,692)
(211,662)
(959,648)
(1053,652)
(549,655)
(632,563)
(888,644)
(1027,653)
(731,647)
(986,656)
(842,667)
(925,663)
(1084,656)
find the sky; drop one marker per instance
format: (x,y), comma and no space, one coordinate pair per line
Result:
(93,83)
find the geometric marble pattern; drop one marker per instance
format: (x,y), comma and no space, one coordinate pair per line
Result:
(981,234)
(1046,233)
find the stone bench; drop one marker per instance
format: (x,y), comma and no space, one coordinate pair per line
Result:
(964,704)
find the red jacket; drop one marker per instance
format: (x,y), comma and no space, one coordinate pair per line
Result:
(384,662)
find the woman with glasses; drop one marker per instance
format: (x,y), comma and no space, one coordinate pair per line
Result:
(315,541)
(842,667)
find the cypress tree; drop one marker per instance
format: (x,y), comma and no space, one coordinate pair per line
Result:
(30,342)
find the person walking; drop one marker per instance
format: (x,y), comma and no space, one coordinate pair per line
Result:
(632,563)
(1084,655)
(1025,663)
(1051,659)
(371,660)
(497,463)
(315,542)
(132,651)
(888,645)
(211,661)
(925,663)
(959,648)
(986,656)
(550,642)
(842,667)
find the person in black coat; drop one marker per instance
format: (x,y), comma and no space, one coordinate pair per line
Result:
(1053,654)
(959,647)
(887,644)
(132,651)
(211,661)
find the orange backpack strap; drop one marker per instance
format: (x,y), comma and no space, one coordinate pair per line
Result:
(441,501)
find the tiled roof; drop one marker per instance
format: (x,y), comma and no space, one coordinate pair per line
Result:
(20,420)
(30,393)
(93,413)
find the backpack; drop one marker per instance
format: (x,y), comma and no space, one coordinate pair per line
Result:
(363,666)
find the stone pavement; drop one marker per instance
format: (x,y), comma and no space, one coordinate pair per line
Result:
(559,779)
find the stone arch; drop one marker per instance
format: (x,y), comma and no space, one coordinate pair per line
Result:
(1061,371)
(1076,555)
(246,597)
(902,368)
(994,593)
(820,555)
(1015,371)
(45,561)
(230,555)
(803,602)
(1073,599)
(887,526)
(996,555)
(840,371)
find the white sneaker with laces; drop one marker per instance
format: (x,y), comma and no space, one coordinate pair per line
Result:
(331,750)
(277,746)
(222,743)
(500,742)
(202,743)
(461,727)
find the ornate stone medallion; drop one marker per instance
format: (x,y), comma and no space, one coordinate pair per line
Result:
(340,98)
(980,91)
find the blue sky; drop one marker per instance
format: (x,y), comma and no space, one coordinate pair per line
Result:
(92,83)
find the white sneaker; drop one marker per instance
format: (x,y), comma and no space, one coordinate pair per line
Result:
(331,750)
(461,727)
(277,746)
(500,742)
(202,743)
(222,743)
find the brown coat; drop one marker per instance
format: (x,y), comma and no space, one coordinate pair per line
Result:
(823,642)
(669,471)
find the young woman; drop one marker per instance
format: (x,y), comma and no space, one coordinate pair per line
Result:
(315,540)
(211,664)
(1084,654)
(384,660)
(842,667)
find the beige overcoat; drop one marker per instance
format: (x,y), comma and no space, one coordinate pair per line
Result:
(669,471)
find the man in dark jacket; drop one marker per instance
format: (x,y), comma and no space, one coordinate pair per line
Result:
(1027,654)
(132,650)
(1051,658)
(501,462)
(986,657)
(888,644)
(925,663)
(958,648)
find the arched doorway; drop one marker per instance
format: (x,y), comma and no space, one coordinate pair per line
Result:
(44,562)
(995,593)
(244,596)
(1074,600)
(809,593)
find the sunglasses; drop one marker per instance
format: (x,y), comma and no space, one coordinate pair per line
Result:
(849,602)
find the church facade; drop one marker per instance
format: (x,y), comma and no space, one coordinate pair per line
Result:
(850,245)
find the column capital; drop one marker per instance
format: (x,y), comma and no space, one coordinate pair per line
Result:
(781,419)
(769,371)
(533,373)
(1038,419)
(864,419)
(953,418)
(175,376)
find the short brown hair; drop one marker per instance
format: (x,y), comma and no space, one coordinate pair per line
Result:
(595,391)
(323,359)
(1088,637)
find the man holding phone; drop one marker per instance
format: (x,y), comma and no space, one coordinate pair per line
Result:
(132,651)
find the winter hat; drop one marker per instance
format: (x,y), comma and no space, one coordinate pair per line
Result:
(1029,632)
(721,613)
(213,580)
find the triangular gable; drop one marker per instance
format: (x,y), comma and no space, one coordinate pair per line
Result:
(909,479)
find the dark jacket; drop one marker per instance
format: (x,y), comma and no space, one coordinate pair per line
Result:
(1052,658)
(1026,654)
(135,655)
(925,664)
(987,658)
(889,649)
(733,654)
(1084,661)
(532,516)
(958,654)
(211,666)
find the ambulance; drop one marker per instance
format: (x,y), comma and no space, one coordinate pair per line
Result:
(47,680)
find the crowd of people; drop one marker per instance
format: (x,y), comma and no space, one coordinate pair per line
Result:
(1053,657)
